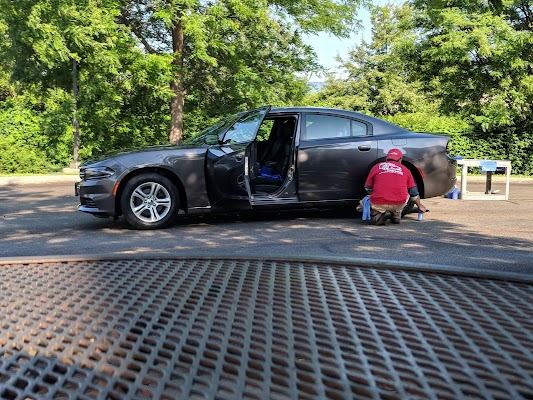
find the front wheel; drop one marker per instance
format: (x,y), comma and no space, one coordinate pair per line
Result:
(149,201)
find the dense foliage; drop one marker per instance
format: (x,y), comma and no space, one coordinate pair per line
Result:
(154,71)
(464,68)
(146,71)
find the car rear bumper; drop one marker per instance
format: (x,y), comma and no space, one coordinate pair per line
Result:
(441,180)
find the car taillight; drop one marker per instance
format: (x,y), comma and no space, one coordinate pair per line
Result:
(421,173)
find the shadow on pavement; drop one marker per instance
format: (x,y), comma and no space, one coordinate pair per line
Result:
(43,220)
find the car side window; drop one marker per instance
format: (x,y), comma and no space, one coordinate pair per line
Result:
(329,126)
(359,128)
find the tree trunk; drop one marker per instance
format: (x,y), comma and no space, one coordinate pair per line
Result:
(75,122)
(177,86)
(176,111)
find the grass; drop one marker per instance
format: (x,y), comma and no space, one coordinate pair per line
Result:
(3,175)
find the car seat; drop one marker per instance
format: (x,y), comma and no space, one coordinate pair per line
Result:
(276,157)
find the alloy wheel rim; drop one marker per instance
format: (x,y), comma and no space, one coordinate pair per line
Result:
(150,202)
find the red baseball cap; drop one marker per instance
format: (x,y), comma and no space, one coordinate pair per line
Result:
(394,155)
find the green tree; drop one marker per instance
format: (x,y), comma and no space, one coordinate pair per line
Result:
(477,56)
(138,61)
(123,94)
(232,53)
(459,67)
(378,75)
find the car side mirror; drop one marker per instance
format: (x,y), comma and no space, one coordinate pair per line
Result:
(211,139)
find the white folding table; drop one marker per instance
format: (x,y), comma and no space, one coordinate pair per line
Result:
(488,195)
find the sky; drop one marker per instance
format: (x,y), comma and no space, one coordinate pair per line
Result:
(327,47)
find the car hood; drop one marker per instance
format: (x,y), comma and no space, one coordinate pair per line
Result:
(137,150)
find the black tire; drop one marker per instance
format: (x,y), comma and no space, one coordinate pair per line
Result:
(149,201)
(409,208)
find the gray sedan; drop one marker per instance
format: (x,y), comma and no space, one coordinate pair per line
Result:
(266,158)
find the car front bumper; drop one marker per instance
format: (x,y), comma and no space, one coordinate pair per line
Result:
(96,197)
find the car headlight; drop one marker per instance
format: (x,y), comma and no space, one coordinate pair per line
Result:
(95,173)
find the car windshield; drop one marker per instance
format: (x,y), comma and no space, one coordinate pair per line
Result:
(218,128)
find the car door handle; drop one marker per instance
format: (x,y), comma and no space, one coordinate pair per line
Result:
(364,147)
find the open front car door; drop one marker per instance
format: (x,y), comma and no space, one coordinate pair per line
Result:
(228,161)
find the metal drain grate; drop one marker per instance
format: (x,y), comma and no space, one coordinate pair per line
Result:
(228,329)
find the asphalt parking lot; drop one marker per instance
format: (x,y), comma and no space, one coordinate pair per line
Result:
(39,218)
(494,227)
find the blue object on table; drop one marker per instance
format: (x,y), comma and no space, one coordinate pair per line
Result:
(366,209)
(488,166)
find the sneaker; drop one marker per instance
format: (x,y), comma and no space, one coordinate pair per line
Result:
(395,220)
(382,217)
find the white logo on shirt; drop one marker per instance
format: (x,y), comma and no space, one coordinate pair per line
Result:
(390,168)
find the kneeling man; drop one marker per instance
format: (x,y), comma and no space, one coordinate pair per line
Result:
(390,185)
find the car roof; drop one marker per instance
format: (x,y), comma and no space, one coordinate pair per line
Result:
(380,126)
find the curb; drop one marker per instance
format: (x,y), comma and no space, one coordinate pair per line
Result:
(375,263)
(37,179)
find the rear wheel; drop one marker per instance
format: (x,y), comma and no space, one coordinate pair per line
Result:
(410,207)
(149,201)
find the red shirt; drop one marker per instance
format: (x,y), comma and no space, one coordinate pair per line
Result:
(390,182)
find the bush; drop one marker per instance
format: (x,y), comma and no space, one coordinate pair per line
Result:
(34,138)
(21,158)
(467,142)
